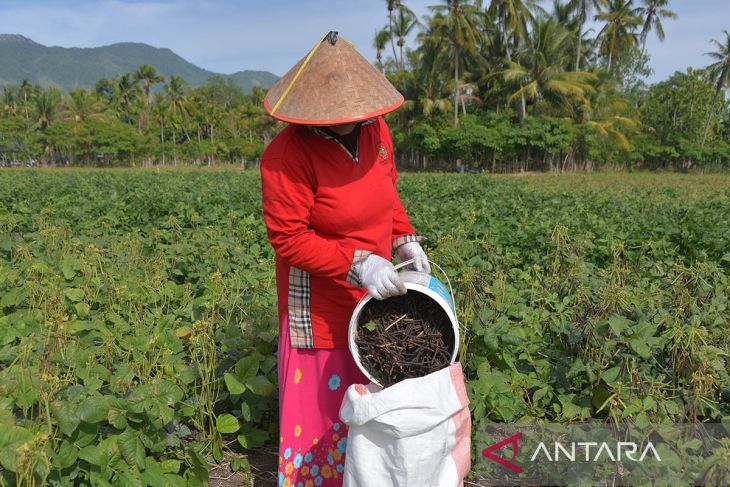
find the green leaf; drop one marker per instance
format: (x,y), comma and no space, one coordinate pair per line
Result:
(65,455)
(639,346)
(175,480)
(164,392)
(85,434)
(153,474)
(217,447)
(168,392)
(252,438)
(610,375)
(539,394)
(74,294)
(247,367)
(629,411)
(227,423)
(183,332)
(268,364)
(69,267)
(12,438)
(65,417)
(131,448)
(129,478)
(187,411)
(570,410)
(13,297)
(197,473)
(649,403)
(92,454)
(240,463)
(693,444)
(99,477)
(171,466)
(246,411)
(82,310)
(642,420)
(619,324)
(370,325)
(7,418)
(260,386)
(576,368)
(600,395)
(117,418)
(233,385)
(93,409)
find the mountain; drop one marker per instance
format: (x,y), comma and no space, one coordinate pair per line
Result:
(69,67)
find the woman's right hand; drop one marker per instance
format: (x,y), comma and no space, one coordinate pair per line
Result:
(380,278)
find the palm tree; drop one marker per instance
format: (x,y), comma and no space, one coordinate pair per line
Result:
(404,23)
(428,86)
(81,105)
(106,89)
(457,21)
(9,104)
(46,105)
(512,18)
(563,13)
(425,91)
(539,72)
(392,4)
(25,90)
(147,75)
(719,73)
(159,111)
(176,90)
(379,41)
(127,93)
(251,112)
(619,33)
(609,113)
(653,14)
(582,11)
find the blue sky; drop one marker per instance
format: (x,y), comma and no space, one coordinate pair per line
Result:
(227,35)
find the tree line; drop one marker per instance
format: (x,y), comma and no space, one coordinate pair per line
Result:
(502,85)
(139,118)
(508,85)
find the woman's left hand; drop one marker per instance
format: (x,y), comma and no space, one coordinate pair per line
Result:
(413,250)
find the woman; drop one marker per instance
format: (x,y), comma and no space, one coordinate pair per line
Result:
(333,216)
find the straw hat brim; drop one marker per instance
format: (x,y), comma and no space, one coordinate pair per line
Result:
(334,84)
(336,121)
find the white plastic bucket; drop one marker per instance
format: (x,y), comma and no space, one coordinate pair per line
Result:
(420,282)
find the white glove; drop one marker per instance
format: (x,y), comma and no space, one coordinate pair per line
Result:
(380,278)
(413,250)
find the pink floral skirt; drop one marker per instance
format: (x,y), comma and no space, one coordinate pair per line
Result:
(313,440)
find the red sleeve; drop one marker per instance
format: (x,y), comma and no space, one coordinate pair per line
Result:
(288,196)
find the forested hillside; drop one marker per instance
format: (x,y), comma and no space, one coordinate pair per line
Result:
(68,68)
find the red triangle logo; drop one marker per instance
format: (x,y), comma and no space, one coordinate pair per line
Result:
(512,440)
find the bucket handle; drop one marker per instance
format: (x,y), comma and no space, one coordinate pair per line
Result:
(448,281)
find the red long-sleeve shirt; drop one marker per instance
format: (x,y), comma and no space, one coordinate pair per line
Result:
(325,210)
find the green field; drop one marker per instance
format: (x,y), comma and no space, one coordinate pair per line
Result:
(138,322)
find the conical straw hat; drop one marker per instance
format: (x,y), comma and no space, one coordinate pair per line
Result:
(333,84)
